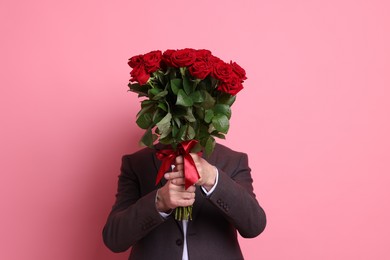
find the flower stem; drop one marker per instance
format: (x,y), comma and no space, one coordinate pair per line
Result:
(183,213)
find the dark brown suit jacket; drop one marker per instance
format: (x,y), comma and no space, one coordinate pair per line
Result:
(212,234)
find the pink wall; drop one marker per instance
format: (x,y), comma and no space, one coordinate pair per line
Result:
(314,118)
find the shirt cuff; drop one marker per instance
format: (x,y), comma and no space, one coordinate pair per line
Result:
(208,193)
(164,215)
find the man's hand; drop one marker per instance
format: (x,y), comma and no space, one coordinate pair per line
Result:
(206,171)
(173,194)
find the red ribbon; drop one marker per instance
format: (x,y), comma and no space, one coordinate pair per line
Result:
(168,156)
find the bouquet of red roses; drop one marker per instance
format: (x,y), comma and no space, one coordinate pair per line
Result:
(188,98)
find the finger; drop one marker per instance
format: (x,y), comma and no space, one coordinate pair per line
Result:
(188,195)
(185,203)
(199,182)
(195,157)
(179,159)
(191,189)
(173,186)
(173,175)
(183,195)
(178,181)
(179,167)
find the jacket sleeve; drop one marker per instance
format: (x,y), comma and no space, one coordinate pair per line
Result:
(132,216)
(235,198)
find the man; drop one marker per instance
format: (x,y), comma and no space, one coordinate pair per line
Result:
(223,203)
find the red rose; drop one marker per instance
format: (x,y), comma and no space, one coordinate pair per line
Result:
(238,70)
(140,75)
(135,61)
(183,58)
(212,60)
(223,71)
(200,69)
(152,61)
(203,55)
(167,57)
(232,87)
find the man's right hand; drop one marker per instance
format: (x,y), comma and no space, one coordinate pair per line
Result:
(173,194)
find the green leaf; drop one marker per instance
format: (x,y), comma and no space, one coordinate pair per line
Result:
(211,128)
(145,109)
(165,123)
(199,111)
(176,85)
(144,120)
(177,121)
(217,134)
(183,99)
(190,133)
(209,101)
(197,97)
(160,76)
(137,88)
(146,102)
(158,115)
(190,116)
(203,132)
(223,109)
(167,140)
(221,123)
(163,106)
(182,132)
(148,138)
(226,99)
(209,114)
(175,130)
(197,148)
(187,85)
(178,111)
(160,95)
(167,132)
(209,147)
(154,91)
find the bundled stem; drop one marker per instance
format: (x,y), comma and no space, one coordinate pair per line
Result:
(183,213)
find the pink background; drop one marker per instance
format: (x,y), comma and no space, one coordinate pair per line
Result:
(314,118)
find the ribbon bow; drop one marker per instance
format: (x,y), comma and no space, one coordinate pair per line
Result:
(168,156)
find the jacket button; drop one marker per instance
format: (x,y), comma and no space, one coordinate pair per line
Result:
(179,242)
